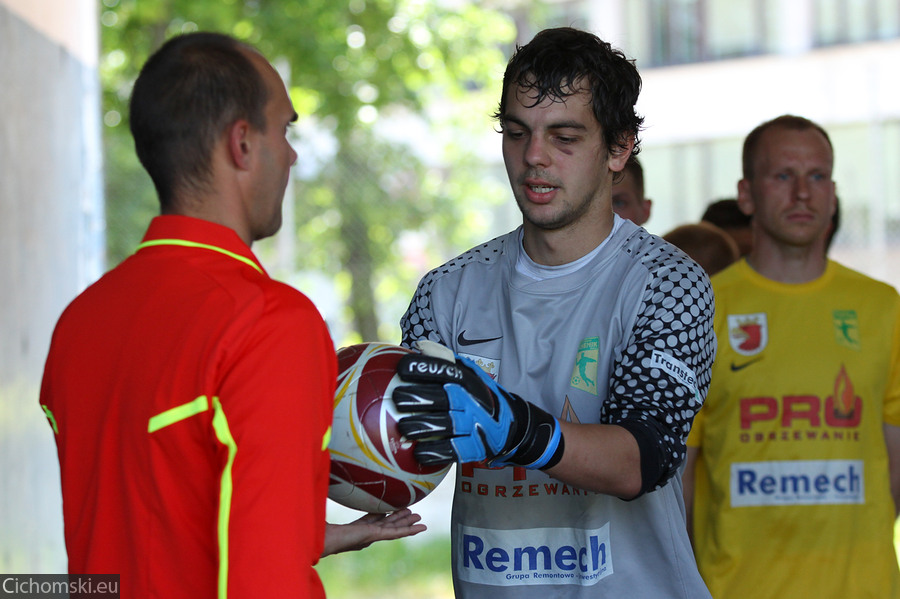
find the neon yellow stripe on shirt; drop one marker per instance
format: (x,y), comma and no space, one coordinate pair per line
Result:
(177,414)
(326,439)
(50,417)
(223,433)
(204,246)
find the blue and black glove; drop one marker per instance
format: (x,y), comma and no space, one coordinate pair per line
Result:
(458,413)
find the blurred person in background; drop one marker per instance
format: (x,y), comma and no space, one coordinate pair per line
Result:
(793,472)
(711,247)
(628,200)
(727,215)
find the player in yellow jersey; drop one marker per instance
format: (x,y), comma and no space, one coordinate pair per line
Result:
(791,482)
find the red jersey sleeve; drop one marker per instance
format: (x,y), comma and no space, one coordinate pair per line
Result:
(276,404)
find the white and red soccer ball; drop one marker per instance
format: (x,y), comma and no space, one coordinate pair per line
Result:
(372,465)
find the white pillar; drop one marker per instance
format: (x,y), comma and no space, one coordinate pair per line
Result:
(51,240)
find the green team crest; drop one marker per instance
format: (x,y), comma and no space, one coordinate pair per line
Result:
(584,375)
(846,328)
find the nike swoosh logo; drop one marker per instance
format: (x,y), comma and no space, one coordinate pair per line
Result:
(462,340)
(736,367)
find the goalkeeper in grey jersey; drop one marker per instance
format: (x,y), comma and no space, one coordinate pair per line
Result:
(561,365)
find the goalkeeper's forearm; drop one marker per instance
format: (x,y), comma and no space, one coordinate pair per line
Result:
(603,458)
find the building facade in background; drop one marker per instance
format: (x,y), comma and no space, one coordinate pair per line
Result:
(51,240)
(714,69)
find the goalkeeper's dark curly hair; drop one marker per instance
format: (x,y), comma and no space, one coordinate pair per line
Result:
(560,62)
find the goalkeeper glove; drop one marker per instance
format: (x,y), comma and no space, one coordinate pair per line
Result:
(458,413)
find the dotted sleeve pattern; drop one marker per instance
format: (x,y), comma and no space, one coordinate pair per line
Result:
(674,319)
(419,320)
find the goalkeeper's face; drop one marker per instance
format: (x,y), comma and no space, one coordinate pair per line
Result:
(557,161)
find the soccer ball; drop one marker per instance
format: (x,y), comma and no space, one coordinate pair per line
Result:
(372,465)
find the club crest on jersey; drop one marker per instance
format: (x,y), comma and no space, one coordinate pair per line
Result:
(748,334)
(584,374)
(846,328)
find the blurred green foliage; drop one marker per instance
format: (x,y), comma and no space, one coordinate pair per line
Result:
(404,569)
(400,90)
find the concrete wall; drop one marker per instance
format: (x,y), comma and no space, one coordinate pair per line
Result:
(51,243)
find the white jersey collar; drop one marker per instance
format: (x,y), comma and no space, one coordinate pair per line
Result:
(539,272)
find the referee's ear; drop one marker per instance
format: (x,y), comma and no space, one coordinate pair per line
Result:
(240,144)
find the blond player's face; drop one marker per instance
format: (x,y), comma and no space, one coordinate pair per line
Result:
(791,194)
